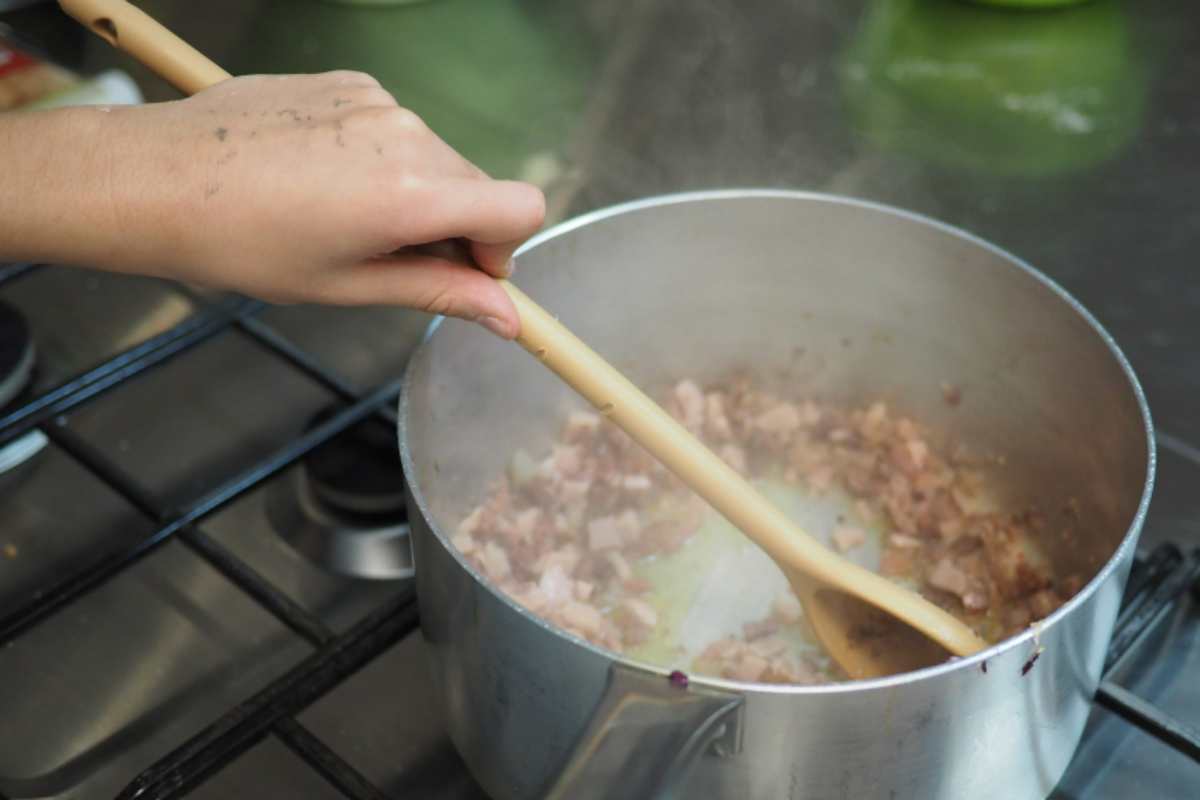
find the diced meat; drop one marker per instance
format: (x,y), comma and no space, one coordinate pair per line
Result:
(465,543)
(495,562)
(605,533)
(471,524)
(587,621)
(716,421)
(565,558)
(911,455)
(563,536)
(975,600)
(556,585)
(568,460)
(820,480)
(580,425)
(630,526)
(749,667)
(530,596)
(663,537)
(786,608)
(1043,603)
(1071,586)
(759,629)
(641,612)
(691,404)
(848,537)
(574,493)
(810,414)
(768,645)
(636,585)
(840,434)
(782,419)
(949,578)
(637,482)
(951,394)
(620,566)
(951,528)
(873,421)
(862,510)
(896,562)
(526,523)
(734,456)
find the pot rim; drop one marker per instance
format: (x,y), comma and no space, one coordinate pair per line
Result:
(1128,541)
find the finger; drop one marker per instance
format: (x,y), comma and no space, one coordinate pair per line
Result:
(494,259)
(429,284)
(487,211)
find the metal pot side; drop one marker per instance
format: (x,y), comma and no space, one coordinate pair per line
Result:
(853,300)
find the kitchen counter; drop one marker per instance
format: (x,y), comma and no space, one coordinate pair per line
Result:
(1071,138)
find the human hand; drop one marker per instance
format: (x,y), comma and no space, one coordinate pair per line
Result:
(312,188)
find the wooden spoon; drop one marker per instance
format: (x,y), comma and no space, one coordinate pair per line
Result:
(853,631)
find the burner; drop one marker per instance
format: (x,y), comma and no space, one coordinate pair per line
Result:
(16,373)
(16,353)
(359,472)
(344,507)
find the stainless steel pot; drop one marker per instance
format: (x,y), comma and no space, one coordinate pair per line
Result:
(857,301)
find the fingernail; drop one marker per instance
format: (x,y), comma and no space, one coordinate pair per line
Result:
(496,326)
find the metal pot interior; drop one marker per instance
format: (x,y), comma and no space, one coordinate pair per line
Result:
(851,301)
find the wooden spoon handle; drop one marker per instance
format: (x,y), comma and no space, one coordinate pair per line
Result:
(128,28)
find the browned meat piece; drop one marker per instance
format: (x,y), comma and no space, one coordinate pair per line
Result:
(757,630)
(716,421)
(494,561)
(612,532)
(950,576)
(1043,603)
(904,542)
(786,608)
(734,456)
(781,420)
(897,563)
(951,394)
(636,619)
(556,586)
(848,537)
(620,566)
(691,405)
(586,621)
(581,426)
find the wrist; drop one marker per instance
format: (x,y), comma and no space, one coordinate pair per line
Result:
(88,186)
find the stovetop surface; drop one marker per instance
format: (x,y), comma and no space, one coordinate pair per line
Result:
(654,97)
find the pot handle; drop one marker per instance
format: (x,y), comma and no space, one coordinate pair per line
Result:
(644,737)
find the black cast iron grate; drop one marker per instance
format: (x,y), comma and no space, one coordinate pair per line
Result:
(1156,585)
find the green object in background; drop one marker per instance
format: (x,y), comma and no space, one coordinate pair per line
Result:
(500,80)
(1028,3)
(1000,91)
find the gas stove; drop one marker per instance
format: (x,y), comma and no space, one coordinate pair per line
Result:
(204,593)
(201,595)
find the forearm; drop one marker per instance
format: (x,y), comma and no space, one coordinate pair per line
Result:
(289,188)
(69,191)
